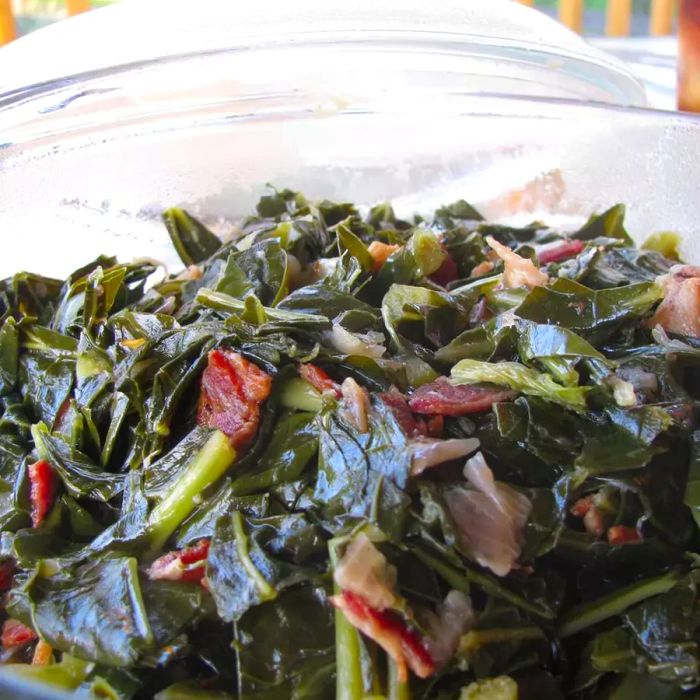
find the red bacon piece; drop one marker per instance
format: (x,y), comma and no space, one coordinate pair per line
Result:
(43,484)
(444,399)
(621,534)
(446,273)
(232,390)
(411,426)
(319,379)
(559,250)
(16,634)
(188,564)
(387,629)
(7,572)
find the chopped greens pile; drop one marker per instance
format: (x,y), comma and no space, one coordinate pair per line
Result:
(346,455)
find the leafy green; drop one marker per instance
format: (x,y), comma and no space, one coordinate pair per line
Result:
(519,378)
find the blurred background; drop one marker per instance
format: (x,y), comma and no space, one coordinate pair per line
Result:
(659,40)
(590,17)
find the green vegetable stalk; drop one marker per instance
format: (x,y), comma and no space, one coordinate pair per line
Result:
(207,466)
(600,609)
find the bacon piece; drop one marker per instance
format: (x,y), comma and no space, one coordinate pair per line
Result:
(519,271)
(364,571)
(582,506)
(446,273)
(594,522)
(483,268)
(7,572)
(356,404)
(188,564)
(387,629)
(679,312)
(319,379)
(559,250)
(445,627)
(490,517)
(16,634)
(42,654)
(431,452)
(434,426)
(380,253)
(398,404)
(232,390)
(444,399)
(43,482)
(621,534)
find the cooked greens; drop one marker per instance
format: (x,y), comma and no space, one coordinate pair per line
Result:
(349,455)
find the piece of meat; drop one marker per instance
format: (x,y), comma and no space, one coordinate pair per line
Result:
(483,268)
(43,485)
(233,390)
(355,404)
(490,517)
(7,572)
(364,570)
(398,404)
(431,452)
(319,379)
(16,634)
(390,632)
(188,564)
(559,250)
(445,627)
(518,271)
(621,534)
(380,253)
(444,399)
(594,522)
(43,653)
(679,312)
(446,273)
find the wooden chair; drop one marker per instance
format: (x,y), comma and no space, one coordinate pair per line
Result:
(618,16)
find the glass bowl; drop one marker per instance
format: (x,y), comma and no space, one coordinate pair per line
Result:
(88,163)
(493,45)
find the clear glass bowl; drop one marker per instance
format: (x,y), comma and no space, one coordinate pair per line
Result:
(87,164)
(477,45)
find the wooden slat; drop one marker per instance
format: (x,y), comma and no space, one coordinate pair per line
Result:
(618,17)
(8,28)
(661,21)
(75,7)
(571,14)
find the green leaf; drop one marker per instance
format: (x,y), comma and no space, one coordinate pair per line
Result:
(252,561)
(193,241)
(593,314)
(362,475)
(665,242)
(348,241)
(519,378)
(290,448)
(301,662)
(95,611)
(609,224)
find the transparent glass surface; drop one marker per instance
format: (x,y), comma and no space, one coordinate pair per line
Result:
(88,164)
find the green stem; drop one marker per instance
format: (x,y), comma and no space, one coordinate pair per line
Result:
(585,616)
(212,460)
(298,394)
(397,690)
(461,581)
(475,639)
(267,592)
